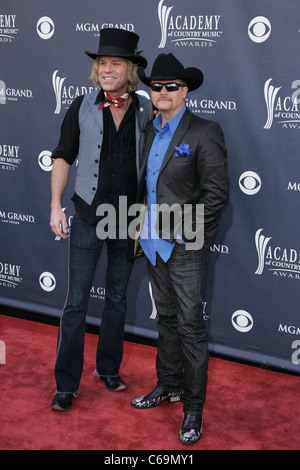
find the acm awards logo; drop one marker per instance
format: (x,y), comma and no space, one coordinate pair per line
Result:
(64,95)
(9,157)
(282,108)
(280,262)
(187,30)
(10,275)
(8,29)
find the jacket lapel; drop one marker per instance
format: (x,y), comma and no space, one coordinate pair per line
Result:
(150,133)
(177,137)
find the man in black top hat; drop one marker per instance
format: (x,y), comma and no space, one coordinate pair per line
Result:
(103,132)
(185,169)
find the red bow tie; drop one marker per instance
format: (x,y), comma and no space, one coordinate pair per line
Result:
(109,100)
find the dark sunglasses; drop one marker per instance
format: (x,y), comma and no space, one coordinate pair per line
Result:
(171,86)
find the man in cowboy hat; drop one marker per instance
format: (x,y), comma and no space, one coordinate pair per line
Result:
(185,166)
(103,130)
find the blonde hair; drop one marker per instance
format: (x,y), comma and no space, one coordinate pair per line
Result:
(132,76)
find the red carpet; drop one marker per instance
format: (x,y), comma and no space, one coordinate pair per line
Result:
(247,408)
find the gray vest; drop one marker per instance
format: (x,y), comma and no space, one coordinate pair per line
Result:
(90,142)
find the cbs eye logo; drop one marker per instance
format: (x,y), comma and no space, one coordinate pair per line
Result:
(45,27)
(242,321)
(45,160)
(250,183)
(47,281)
(259,29)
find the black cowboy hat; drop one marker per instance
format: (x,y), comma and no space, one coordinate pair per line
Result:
(167,67)
(116,42)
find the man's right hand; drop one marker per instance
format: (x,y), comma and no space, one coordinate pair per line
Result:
(58,223)
(59,177)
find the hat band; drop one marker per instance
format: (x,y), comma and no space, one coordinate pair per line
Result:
(114,50)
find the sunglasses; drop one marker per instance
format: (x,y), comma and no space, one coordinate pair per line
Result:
(171,86)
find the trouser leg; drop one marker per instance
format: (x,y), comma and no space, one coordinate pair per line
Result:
(181,324)
(85,249)
(111,336)
(169,364)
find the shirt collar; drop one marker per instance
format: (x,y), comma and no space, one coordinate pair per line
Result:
(100,97)
(171,124)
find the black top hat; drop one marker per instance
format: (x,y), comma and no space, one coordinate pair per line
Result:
(167,67)
(119,43)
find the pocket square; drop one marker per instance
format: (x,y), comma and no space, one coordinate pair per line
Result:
(184,149)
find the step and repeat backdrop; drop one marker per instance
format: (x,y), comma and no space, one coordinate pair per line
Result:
(249,54)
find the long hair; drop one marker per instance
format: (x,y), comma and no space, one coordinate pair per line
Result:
(132,76)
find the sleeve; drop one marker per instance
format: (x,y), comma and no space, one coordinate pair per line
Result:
(68,144)
(213,178)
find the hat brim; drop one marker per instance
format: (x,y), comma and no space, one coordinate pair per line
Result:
(136,59)
(191,75)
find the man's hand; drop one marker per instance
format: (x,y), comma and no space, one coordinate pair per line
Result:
(59,176)
(58,223)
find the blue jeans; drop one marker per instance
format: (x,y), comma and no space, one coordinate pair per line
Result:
(85,250)
(182,353)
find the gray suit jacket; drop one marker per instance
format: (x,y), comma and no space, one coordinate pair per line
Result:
(198,178)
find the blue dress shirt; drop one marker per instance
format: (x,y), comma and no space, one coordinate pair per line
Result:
(149,240)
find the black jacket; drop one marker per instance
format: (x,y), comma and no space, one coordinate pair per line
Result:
(197,178)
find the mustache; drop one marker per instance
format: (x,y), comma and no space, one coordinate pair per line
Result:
(164,98)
